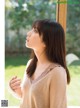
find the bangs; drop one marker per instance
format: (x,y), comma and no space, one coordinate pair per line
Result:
(37,25)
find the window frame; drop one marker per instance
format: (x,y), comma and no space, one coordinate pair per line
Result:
(61,13)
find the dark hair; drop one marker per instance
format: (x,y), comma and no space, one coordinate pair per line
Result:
(54,38)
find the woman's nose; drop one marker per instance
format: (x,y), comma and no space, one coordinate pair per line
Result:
(29,33)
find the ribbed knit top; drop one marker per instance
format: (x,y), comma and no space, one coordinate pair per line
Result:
(47,91)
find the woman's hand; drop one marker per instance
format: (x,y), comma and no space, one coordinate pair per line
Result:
(15,83)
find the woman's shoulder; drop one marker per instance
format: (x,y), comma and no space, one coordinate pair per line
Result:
(58,72)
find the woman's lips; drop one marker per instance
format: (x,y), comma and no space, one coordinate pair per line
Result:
(27,40)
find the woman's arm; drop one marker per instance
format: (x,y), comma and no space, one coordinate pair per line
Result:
(58,88)
(14,87)
(15,84)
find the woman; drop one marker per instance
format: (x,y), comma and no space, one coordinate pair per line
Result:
(46,76)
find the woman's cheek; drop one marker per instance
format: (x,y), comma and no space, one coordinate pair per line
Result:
(31,43)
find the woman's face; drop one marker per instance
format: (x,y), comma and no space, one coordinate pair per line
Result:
(34,40)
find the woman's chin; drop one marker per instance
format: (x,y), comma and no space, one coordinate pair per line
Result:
(27,46)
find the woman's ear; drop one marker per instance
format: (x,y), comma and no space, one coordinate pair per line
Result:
(44,45)
(43,42)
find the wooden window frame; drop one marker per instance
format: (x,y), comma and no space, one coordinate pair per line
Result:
(61,13)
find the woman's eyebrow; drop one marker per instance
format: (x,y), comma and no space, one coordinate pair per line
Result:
(35,28)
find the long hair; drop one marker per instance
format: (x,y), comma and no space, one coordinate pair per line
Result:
(54,38)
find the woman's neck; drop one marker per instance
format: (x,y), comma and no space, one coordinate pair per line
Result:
(41,56)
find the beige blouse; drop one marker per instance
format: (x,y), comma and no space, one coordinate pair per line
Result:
(47,91)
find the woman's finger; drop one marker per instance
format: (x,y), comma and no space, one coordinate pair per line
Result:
(16,87)
(16,83)
(15,80)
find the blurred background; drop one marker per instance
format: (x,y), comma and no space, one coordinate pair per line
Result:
(19,16)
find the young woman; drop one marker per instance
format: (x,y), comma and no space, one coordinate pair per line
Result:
(46,76)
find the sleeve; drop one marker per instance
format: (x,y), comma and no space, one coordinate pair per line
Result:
(23,80)
(58,88)
(24,76)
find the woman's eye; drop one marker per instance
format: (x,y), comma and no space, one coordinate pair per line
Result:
(36,30)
